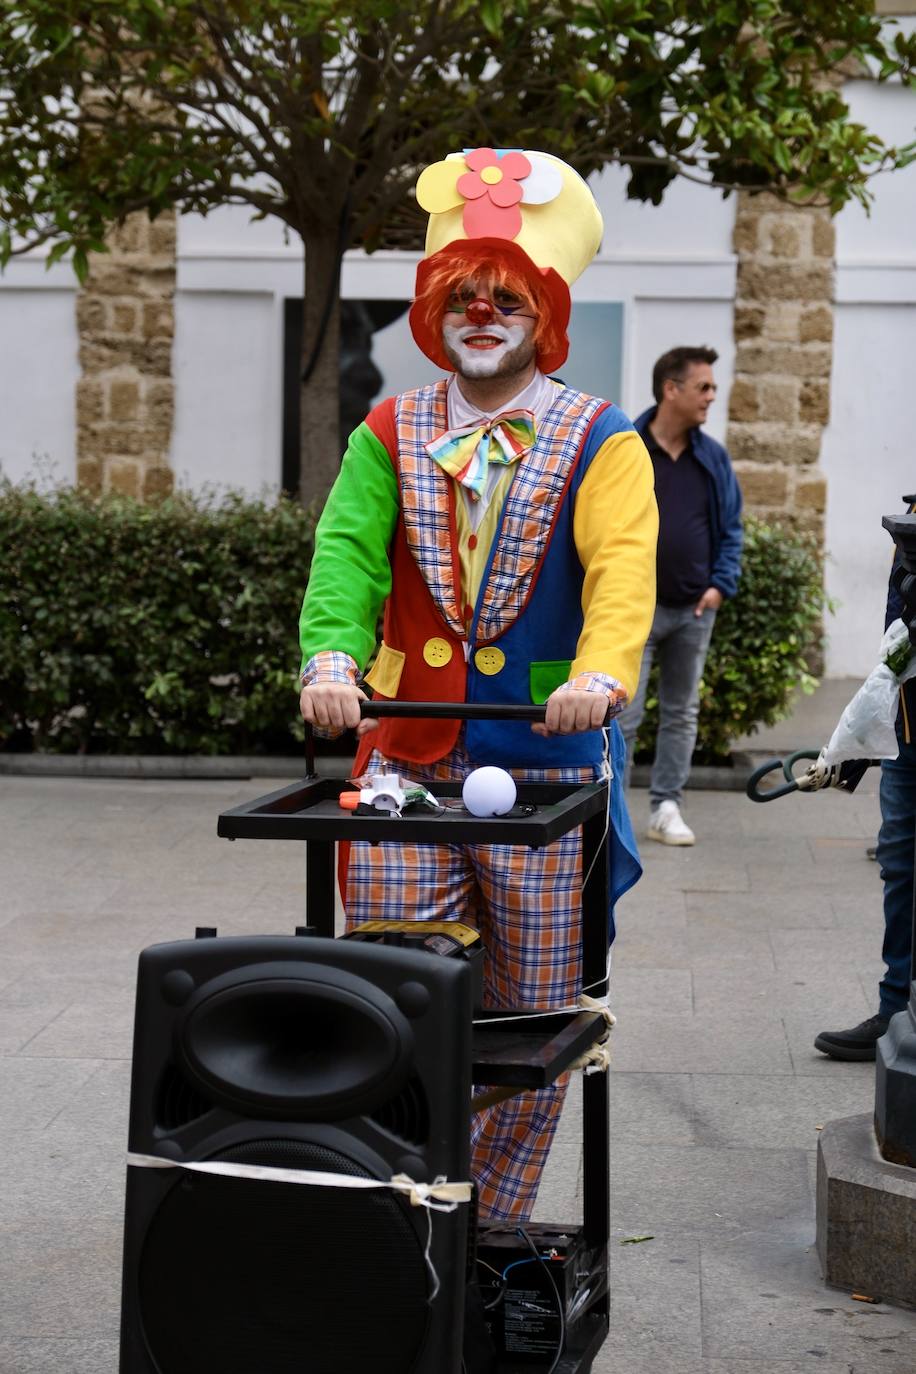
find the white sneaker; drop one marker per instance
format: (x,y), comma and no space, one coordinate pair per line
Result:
(667,825)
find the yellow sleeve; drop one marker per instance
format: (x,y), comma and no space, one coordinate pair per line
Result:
(615,526)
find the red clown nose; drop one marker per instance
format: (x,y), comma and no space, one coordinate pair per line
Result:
(479,312)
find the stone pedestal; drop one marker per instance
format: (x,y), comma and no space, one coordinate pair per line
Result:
(866,1214)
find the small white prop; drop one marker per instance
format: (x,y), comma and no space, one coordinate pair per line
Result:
(488,792)
(384,792)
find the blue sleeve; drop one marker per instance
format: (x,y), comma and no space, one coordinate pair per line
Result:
(726,567)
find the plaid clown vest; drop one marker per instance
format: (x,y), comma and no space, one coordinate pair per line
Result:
(516,644)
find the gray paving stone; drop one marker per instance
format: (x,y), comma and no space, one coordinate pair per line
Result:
(61,1278)
(35,1091)
(87,1030)
(762,1297)
(744,912)
(51,1356)
(713,1192)
(21,1023)
(559,1197)
(817,953)
(676,1362)
(652,900)
(652,1108)
(697,869)
(56,1176)
(862,910)
(66,893)
(719,945)
(99,1108)
(655,1300)
(762,995)
(635,990)
(798,872)
(655,944)
(826,813)
(771,1112)
(702,1044)
(843,854)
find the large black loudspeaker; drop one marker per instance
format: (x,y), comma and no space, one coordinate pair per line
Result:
(301,1053)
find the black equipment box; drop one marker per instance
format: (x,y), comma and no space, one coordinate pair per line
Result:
(450,939)
(524,1295)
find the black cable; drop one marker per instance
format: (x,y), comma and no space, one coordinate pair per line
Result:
(501,1278)
(561,1344)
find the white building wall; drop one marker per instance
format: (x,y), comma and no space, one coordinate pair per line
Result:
(39,368)
(868,452)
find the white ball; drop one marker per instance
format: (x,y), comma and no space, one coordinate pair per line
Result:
(488,792)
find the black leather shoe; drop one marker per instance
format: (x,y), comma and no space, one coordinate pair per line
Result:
(857,1043)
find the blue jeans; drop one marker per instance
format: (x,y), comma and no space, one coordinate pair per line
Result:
(896,855)
(681,641)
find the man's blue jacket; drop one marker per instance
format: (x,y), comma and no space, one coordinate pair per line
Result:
(724,508)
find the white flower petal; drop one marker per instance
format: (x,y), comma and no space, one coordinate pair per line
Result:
(543,183)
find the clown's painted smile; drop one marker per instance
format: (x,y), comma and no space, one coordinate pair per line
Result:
(483,351)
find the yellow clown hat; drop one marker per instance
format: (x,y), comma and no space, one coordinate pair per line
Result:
(528,208)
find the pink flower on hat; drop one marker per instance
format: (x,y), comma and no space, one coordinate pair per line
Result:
(491,192)
(490,187)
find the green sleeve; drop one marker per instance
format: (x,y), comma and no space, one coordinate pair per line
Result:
(350,576)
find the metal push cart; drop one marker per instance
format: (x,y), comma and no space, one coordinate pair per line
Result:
(510,1047)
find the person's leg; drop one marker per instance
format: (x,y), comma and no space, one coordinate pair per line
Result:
(630,718)
(531,925)
(681,657)
(895,856)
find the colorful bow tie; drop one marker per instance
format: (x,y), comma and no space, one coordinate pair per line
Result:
(465,452)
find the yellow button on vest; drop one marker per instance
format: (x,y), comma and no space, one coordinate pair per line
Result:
(490,660)
(437,652)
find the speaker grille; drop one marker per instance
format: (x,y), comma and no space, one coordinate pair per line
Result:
(243,1277)
(177,1102)
(407,1114)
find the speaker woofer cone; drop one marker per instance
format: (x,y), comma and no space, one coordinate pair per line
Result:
(307,1048)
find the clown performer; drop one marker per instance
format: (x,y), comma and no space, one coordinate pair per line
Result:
(507,524)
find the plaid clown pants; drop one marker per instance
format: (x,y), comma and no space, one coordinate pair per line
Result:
(526,905)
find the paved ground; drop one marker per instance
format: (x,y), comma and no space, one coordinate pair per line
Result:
(732,956)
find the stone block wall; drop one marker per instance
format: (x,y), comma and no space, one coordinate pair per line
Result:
(780,397)
(125,396)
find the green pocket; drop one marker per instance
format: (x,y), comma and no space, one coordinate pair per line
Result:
(546,677)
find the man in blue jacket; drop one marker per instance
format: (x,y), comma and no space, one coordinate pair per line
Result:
(699,561)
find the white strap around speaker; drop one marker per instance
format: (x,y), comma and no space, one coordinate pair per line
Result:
(438,1196)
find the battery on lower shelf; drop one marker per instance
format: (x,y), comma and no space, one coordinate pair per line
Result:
(523,1314)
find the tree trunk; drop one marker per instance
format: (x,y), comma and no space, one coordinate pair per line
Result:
(319,437)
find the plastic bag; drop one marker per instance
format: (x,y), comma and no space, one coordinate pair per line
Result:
(866,728)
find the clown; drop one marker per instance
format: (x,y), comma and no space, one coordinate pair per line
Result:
(507,525)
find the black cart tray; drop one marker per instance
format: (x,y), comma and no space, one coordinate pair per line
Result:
(308,810)
(530,1051)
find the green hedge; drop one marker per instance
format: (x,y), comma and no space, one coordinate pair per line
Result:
(762,645)
(168,628)
(172,628)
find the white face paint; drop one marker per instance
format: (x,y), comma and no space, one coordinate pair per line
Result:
(484,350)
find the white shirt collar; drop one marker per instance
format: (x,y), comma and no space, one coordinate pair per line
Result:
(538,396)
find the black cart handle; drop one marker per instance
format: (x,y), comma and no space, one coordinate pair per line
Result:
(452,710)
(441,710)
